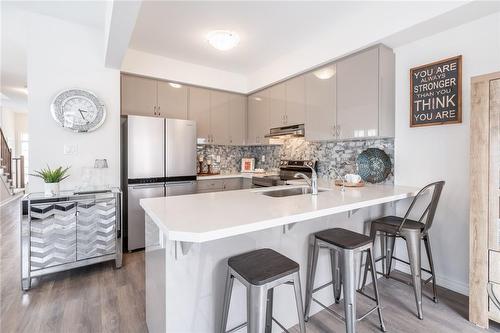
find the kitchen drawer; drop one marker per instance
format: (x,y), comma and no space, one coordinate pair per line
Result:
(494,263)
(53,234)
(211,185)
(233,184)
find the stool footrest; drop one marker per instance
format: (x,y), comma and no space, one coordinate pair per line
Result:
(338,315)
(237,328)
(323,286)
(368,313)
(279,324)
(366,295)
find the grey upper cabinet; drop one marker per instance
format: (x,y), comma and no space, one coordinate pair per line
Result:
(219,117)
(258,117)
(138,96)
(365,99)
(149,97)
(199,111)
(277,105)
(295,101)
(320,100)
(172,100)
(237,119)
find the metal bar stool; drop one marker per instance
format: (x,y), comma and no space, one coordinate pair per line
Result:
(260,271)
(343,245)
(412,232)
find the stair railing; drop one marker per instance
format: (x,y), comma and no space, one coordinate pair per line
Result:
(6,154)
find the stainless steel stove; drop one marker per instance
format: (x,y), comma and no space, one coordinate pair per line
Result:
(288,169)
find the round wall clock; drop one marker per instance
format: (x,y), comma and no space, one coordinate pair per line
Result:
(78,110)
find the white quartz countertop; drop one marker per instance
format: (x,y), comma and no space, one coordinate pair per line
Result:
(209,216)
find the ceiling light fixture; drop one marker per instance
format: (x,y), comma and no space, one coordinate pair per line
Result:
(223,40)
(325,73)
(175,85)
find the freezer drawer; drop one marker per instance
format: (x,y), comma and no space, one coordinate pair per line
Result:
(135,221)
(181,188)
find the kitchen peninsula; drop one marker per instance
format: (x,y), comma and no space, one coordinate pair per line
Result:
(188,239)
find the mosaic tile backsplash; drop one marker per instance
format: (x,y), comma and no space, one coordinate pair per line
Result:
(330,155)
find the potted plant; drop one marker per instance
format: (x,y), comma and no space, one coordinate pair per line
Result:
(52,178)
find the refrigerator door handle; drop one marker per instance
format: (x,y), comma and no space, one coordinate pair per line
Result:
(141,186)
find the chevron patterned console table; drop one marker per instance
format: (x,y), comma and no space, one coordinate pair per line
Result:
(68,231)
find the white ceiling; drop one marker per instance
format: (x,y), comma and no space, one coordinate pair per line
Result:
(268,30)
(13,39)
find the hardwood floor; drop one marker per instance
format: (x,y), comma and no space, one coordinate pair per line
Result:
(101,298)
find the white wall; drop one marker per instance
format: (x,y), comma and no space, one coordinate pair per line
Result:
(64,55)
(427,154)
(148,64)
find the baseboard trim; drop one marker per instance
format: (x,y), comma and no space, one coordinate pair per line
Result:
(442,281)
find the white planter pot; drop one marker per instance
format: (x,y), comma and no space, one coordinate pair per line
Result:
(51,189)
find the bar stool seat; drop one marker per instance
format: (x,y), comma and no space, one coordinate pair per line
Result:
(343,245)
(343,238)
(392,223)
(262,266)
(260,271)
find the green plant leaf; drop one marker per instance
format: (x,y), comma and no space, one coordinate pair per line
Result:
(52,176)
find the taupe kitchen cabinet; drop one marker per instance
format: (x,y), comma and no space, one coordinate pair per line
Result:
(138,96)
(237,119)
(220,116)
(286,103)
(172,100)
(365,94)
(320,101)
(258,117)
(277,105)
(149,97)
(295,101)
(199,111)
(224,184)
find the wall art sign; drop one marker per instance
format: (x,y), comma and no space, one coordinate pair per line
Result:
(436,93)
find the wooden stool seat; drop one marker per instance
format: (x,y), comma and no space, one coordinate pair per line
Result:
(392,223)
(262,266)
(343,238)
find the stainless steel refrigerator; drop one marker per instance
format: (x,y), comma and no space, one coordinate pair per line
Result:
(161,161)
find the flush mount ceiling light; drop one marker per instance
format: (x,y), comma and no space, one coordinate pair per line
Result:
(325,73)
(175,85)
(223,40)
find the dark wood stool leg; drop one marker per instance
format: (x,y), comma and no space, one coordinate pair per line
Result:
(413,245)
(427,244)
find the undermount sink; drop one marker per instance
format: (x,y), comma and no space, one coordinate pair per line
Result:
(289,192)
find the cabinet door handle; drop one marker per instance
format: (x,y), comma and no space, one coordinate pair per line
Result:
(154,110)
(337,131)
(159,113)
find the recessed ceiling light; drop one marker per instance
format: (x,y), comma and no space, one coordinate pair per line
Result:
(175,85)
(325,73)
(223,40)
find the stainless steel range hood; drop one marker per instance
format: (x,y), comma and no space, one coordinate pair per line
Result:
(286,131)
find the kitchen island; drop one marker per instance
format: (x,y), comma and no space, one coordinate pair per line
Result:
(189,238)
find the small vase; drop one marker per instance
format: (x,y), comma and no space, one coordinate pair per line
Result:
(51,189)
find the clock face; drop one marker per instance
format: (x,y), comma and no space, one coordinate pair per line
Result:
(78,110)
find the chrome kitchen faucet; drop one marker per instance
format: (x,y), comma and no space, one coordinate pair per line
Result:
(313,181)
